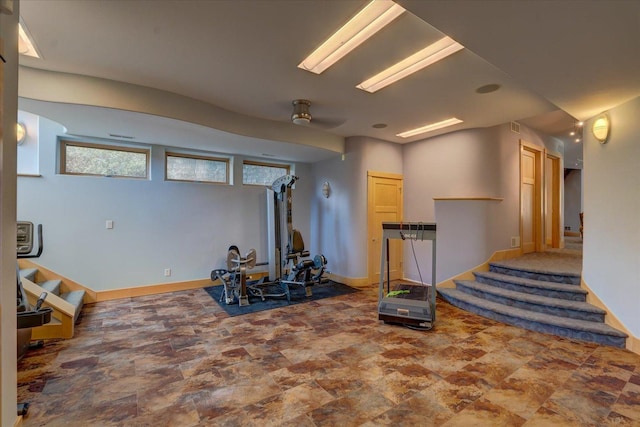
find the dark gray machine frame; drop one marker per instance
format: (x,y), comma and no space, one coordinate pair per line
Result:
(409,312)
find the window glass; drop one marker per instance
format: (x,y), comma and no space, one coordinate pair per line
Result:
(255,173)
(79,158)
(185,167)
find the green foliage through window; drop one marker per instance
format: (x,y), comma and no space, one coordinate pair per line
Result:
(79,158)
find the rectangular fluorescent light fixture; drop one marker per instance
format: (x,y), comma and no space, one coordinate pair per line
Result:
(419,60)
(430,127)
(371,19)
(25,43)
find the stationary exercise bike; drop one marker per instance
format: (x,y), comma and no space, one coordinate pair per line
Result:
(29,317)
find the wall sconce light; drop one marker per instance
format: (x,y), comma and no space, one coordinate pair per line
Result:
(21,133)
(326,189)
(601,127)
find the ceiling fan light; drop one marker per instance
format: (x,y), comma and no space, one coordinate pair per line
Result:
(371,19)
(416,62)
(301,114)
(301,120)
(430,127)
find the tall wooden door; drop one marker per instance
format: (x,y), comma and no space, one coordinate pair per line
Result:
(530,199)
(384,204)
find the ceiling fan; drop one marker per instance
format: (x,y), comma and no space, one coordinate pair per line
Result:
(301,115)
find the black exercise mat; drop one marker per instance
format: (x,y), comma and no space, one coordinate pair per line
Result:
(298,296)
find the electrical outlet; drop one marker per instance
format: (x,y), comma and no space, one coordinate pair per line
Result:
(515,241)
(167,272)
(109,224)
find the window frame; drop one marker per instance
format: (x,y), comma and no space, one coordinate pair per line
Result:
(64,143)
(286,166)
(224,160)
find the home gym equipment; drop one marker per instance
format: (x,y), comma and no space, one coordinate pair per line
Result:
(234,279)
(291,267)
(28,317)
(412,305)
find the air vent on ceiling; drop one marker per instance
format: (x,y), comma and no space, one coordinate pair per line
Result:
(515,127)
(115,135)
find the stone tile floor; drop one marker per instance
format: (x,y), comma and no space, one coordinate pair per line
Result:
(178,360)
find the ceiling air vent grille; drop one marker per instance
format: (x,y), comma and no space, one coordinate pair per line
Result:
(515,127)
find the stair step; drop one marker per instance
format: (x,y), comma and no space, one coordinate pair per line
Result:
(29,274)
(531,286)
(51,286)
(74,298)
(596,332)
(533,302)
(534,274)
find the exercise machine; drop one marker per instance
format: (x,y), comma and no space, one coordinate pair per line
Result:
(287,267)
(234,279)
(29,317)
(408,304)
(292,267)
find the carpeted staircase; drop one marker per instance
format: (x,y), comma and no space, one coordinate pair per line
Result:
(542,301)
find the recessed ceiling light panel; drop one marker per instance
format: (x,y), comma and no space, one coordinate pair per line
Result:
(416,62)
(375,16)
(25,42)
(430,127)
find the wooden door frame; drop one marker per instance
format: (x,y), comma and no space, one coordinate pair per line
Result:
(370,176)
(538,235)
(554,175)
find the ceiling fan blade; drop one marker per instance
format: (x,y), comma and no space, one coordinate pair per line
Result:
(327,123)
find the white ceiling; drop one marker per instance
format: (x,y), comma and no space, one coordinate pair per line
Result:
(579,57)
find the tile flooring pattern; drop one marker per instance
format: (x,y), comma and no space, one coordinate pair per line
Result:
(179,360)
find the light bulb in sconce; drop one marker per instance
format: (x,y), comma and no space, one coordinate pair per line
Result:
(601,127)
(326,189)
(21,133)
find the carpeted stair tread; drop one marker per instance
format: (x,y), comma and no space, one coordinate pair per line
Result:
(536,302)
(51,286)
(530,283)
(530,316)
(506,264)
(535,273)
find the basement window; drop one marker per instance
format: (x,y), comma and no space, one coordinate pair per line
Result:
(82,158)
(192,168)
(258,173)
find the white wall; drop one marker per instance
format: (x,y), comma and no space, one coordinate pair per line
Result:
(157,224)
(340,222)
(8,118)
(460,164)
(611,261)
(472,163)
(469,163)
(467,231)
(573,199)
